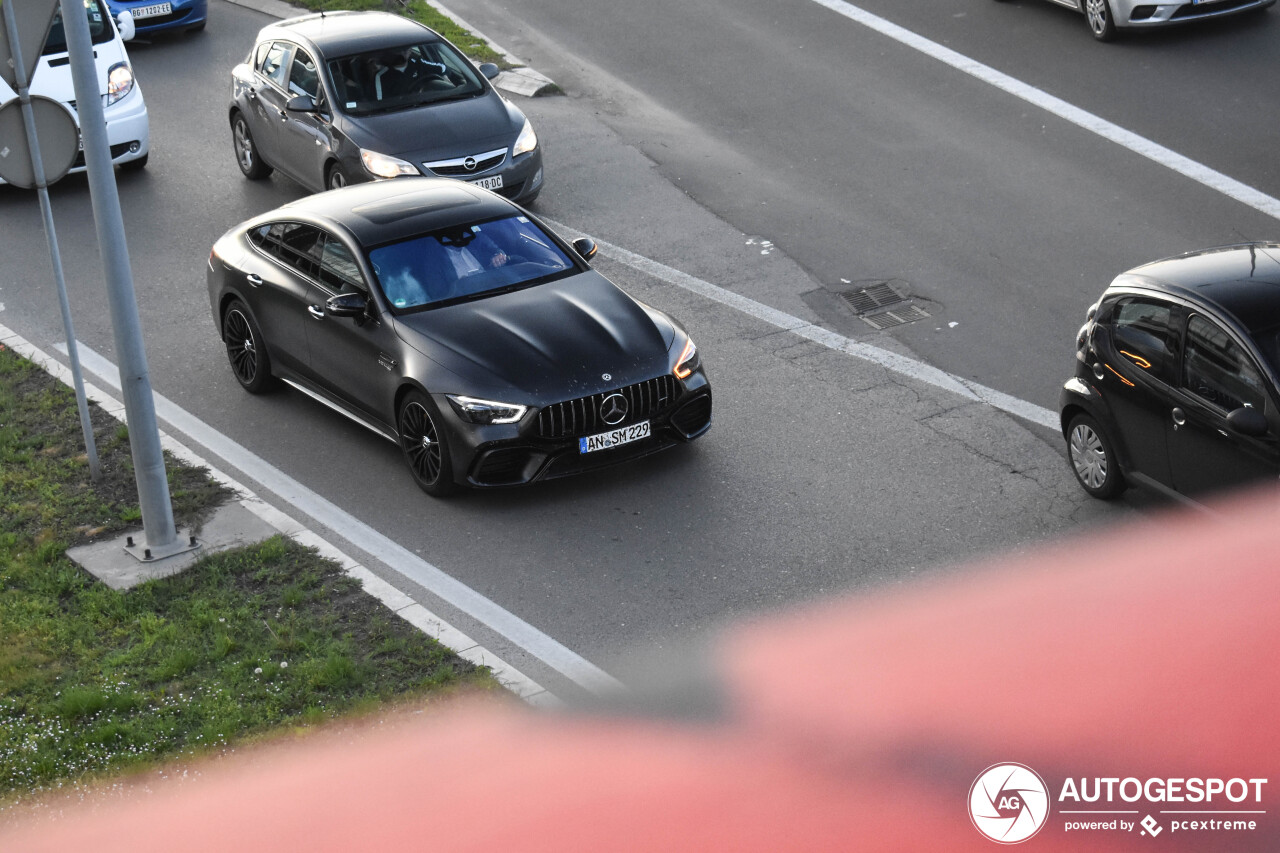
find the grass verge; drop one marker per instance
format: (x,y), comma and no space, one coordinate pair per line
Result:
(95,682)
(418,10)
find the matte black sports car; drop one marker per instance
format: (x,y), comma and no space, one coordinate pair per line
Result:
(346,97)
(454,323)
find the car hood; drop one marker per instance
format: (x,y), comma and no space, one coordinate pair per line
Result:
(551,342)
(438,131)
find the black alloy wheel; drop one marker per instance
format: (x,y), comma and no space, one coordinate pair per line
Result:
(336,179)
(246,151)
(246,349)
(1093,458)
(425,448)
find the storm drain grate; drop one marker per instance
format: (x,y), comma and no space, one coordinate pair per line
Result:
(881,306)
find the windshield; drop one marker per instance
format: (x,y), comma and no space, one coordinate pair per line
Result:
(467,262)
(398,78)
(99,29)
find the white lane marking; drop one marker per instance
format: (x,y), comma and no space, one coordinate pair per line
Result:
(543,647)
(1137,144)
(893,361)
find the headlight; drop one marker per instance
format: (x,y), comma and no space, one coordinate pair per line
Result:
(119,82)
(383,166)
(485,411)
(526,141)
(688,361)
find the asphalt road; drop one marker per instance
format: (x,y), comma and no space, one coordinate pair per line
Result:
(854,158)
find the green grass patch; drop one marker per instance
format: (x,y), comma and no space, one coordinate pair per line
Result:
(95,682)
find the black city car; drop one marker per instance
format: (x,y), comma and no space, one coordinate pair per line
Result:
(1176,376)
(346,97)
(454,323)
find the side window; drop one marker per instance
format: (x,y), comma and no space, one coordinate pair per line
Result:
(273,64)
(1142,334)
(338,269)
(303,79)
(1218,370)
(295,245)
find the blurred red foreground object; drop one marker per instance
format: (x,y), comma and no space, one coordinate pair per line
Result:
(1145,652)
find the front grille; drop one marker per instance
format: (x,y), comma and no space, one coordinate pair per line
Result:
(458,169)
(1197,10)
(581,417)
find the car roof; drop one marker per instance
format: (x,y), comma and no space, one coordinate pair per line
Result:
(1242,279)
(386,211)
(341,33)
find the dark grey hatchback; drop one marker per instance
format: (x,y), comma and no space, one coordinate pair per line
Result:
(346,97)
(451,321)
(1176,376)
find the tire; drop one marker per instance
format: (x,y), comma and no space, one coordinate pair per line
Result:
(247,157)
(426,451)
(136,165)
(246,349)
(1093,458)
(336,179)
(1101,22)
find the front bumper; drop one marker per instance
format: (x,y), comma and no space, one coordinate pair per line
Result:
(521,176)
(516,454)
(1138,15)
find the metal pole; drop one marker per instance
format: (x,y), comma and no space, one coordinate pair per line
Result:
(55,257)
(135,382)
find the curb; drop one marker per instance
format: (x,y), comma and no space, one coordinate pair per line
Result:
(518,80)
(398,602)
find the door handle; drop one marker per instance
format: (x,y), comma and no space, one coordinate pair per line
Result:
(255,280)
(316,311)
(1179,417)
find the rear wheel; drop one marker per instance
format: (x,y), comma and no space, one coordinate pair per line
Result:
(426,451)
(1093,458)
(246,350)
(1101,22)
(251,164)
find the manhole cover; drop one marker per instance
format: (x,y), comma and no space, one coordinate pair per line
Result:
(881,305)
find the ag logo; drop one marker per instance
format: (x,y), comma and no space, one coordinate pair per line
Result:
(1008,803)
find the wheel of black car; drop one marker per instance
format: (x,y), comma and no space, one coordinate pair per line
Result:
(337,179)
(246,349)
(136,165)
(1093,458)
(246,151)
(426,450)
(1101,22)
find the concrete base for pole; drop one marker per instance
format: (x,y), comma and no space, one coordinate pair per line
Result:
(122,562)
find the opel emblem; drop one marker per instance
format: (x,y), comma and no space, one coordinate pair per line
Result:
(606,376)
(613,410)
(469,164)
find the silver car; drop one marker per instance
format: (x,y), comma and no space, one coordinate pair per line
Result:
(1105,17)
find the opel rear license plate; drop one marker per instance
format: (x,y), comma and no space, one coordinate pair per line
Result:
(152,11)
(494,183)
(614,438)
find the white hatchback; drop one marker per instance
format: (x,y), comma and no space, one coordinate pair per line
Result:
(128,131)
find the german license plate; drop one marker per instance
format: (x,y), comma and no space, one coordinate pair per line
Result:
(151,11)
(494,183)
(614,438)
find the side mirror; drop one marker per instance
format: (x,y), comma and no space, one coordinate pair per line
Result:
(301,104)
(586,247)
(488,69)
(1248,421)
(124,23)
(347,305)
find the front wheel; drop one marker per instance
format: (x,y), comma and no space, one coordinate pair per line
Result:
(246,350)
(1093,458)
(426,451)
(251,164)
(1101,22)
(337,178)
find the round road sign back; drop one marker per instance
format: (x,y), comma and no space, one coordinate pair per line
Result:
(56,133)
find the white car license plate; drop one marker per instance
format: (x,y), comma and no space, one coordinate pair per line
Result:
(494,183)
(614,438)
(151,11)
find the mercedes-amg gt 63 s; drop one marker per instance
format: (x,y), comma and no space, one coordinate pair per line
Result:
(451,321)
